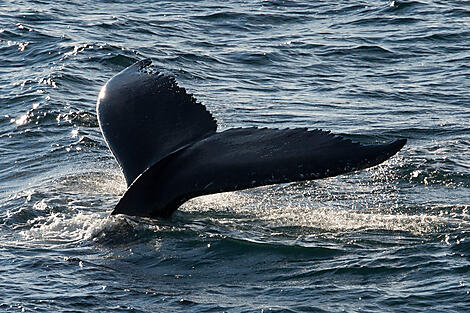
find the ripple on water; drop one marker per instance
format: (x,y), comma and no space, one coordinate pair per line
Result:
(393,238)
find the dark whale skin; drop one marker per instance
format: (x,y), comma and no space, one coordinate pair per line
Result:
(168,148)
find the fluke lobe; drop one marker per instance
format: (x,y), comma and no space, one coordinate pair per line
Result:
(168,147)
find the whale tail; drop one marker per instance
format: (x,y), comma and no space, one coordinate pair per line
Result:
(145,116)
(168,148)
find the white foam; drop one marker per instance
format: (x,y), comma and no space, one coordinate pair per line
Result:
(61,227)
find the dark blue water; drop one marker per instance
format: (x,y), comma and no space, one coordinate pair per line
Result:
(395,238)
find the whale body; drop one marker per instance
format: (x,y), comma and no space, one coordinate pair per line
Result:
(170,151)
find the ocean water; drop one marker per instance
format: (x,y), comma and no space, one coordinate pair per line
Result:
(394,238)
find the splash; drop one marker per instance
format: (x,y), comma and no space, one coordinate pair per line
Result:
(63,228)
(338,220)
(91,182)
(322,211)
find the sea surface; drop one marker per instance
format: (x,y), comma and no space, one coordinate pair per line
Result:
(394,238)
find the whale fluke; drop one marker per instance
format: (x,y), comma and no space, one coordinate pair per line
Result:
(168,148)
(145,117)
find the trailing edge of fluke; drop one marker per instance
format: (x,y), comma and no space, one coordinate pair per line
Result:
(169,150)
